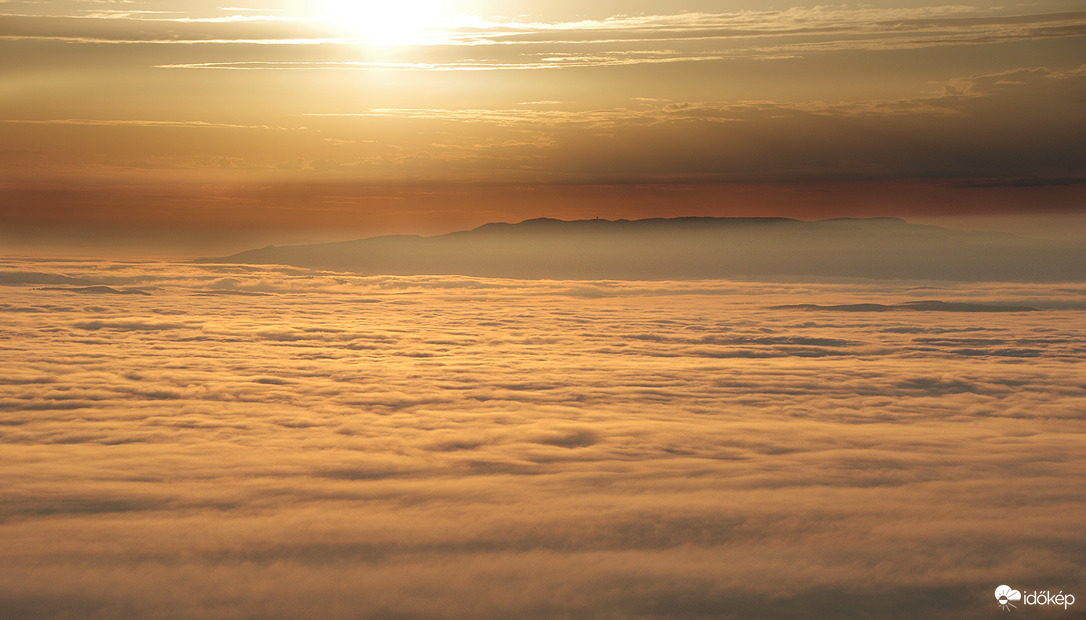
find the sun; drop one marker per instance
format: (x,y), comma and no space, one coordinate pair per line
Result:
(386,22)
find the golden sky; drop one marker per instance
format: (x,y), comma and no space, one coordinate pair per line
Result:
(198,123)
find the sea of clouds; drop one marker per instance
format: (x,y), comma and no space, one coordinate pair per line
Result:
(216,441)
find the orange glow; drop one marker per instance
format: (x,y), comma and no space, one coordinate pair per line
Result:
(165,113)
(268,350)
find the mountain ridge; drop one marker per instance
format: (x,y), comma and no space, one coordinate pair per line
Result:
(693,248)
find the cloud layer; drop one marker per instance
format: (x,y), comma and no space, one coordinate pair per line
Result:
(284,443)
(527,43)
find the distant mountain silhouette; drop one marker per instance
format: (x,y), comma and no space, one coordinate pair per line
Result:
(694,248)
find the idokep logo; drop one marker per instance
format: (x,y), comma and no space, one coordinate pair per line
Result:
(1006,594)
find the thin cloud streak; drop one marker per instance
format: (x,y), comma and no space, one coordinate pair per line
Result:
(141,123)
(555,62)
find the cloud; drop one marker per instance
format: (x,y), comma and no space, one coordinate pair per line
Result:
(973,129)
(100,290)
(36,277)
(136,123)
(134,28)
(554,61)
(871,28)
(521,44)
(127,325)
(920,306)
(450,447)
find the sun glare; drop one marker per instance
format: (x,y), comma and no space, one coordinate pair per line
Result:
(390,22)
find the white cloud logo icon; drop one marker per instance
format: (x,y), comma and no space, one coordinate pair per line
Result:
(1004,594)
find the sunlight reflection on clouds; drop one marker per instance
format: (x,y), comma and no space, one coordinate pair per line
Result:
(285,443)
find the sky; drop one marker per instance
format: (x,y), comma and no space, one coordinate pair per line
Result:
(189,439)
(221,441)
(166,127)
